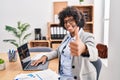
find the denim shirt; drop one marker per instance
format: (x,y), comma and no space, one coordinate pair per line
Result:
(66,57)
(66,60)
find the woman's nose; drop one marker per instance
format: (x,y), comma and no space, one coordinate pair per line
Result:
(67,24)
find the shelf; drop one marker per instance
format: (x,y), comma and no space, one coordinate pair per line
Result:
(57,7)
(87,10)
(56,32)
(55,43)
(89,22)
(40,43)
(56,40)
(88,28)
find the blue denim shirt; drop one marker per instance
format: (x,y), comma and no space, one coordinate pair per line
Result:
(66,57)
(65,68)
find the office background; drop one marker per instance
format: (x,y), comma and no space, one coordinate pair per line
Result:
(31,11)
(37,13)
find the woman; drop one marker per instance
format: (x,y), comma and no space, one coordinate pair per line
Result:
(76,50)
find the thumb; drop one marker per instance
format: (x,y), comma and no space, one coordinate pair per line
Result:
(77,33)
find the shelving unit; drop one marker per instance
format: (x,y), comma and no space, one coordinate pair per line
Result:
(56,37)
(57,7)
(41,43)
(87,10)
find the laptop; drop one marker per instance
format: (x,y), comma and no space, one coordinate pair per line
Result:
(26,60)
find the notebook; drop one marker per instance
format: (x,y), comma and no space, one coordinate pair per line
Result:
(26,60)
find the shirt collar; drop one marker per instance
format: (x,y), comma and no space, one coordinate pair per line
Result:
(78,33)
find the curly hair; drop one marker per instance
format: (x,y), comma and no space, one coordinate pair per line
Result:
(75,13)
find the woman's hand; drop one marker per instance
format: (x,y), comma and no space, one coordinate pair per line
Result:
(42,60)
(77,47)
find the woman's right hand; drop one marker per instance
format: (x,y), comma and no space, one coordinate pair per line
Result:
(42,60)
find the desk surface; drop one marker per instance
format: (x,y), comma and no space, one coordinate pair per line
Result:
(14,68)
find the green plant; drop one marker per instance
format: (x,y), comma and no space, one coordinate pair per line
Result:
(18,32)
(81,0)
(1,61)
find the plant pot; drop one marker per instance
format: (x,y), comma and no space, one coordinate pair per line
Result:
(2,66)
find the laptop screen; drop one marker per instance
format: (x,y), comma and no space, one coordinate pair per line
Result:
(24,55)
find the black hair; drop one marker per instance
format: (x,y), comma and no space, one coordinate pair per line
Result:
(75,13)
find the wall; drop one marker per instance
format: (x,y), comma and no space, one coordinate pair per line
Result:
(34,12)
(99,20)
(112,71)
(37,13)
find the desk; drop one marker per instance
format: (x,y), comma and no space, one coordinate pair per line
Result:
(15,68)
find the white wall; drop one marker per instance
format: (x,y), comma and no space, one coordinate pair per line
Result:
(113,71)
(99,20)
(37,13)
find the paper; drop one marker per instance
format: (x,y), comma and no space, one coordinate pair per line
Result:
(38,75)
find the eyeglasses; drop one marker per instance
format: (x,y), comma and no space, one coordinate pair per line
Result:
(71,21)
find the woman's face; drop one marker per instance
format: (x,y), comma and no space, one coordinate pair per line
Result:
(70,24)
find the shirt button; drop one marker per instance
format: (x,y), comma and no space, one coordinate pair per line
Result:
(73,66)
(75,77)
(59,78)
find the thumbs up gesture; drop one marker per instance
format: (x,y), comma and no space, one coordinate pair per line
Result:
(77,47)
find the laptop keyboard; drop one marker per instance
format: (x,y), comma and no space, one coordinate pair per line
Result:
(38,67)
(30,67)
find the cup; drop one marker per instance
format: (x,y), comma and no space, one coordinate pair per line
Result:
(12,56)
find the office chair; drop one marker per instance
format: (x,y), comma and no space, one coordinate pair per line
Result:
(102,53)
(102,50)
(97,64)
(40,49)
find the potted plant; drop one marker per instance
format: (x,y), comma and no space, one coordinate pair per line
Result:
(19,33)
(20,37)
(86,2)
(81,0)
(2,64)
